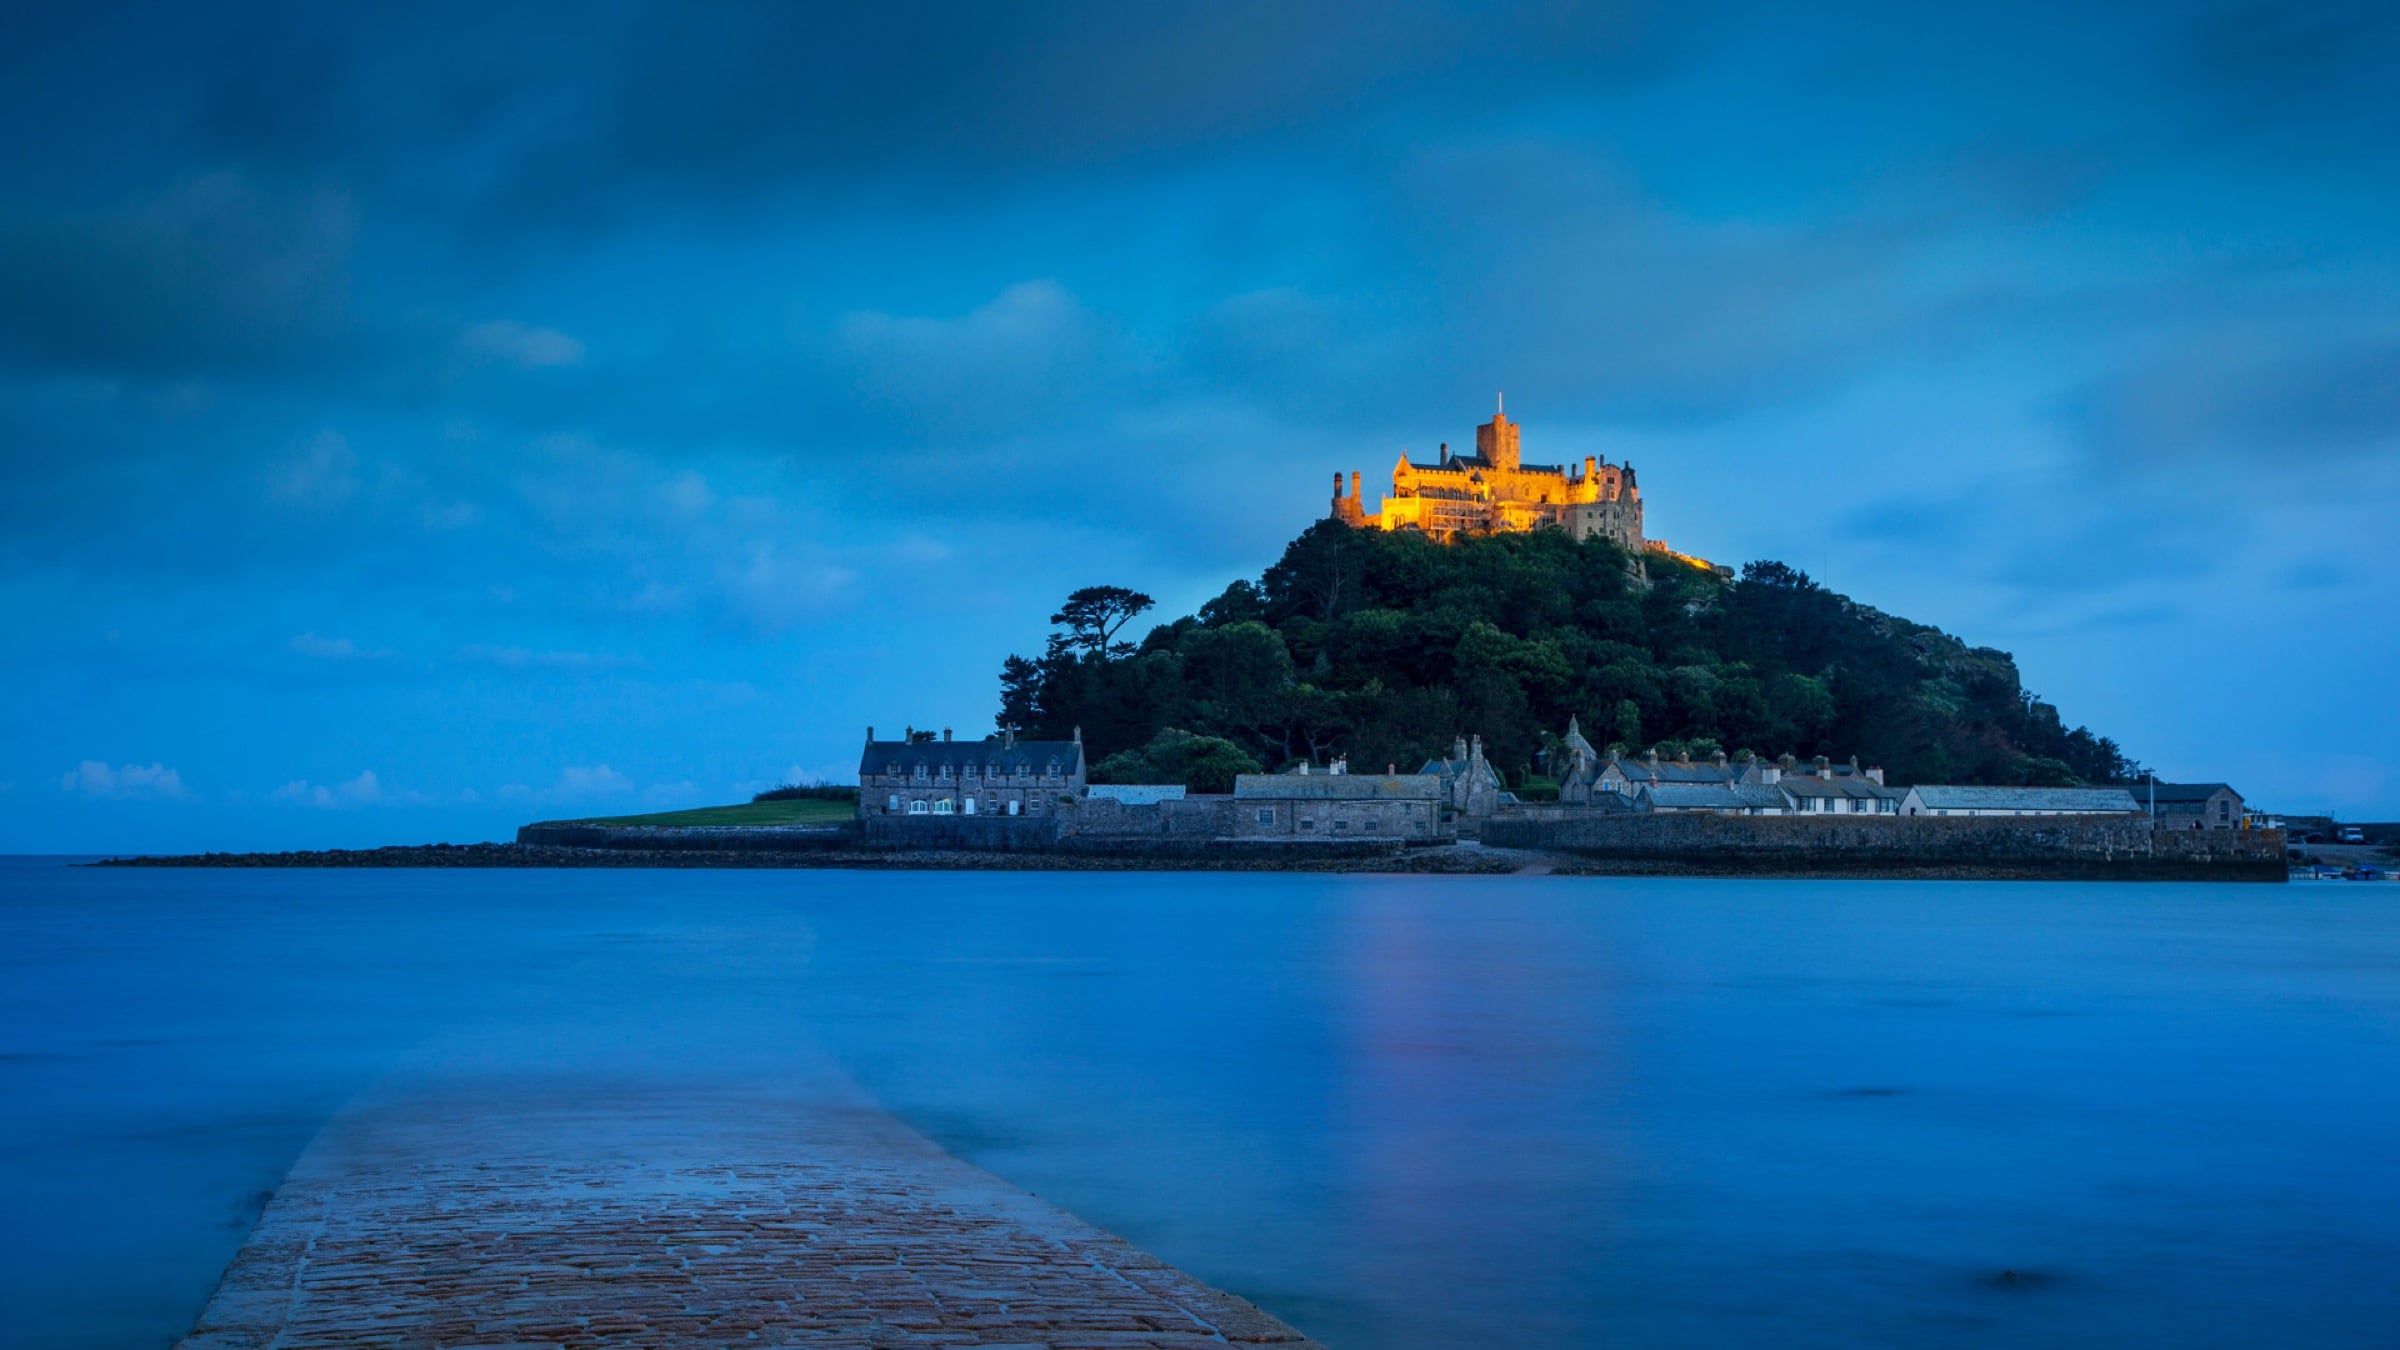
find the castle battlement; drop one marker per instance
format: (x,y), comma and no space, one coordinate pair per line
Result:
(1493,491)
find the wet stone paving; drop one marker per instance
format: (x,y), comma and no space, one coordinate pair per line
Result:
(590,1217)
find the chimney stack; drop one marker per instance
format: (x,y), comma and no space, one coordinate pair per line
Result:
(945,735)
(870,735)
(1337,485)
(1354,486)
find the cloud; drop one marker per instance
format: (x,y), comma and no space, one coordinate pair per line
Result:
(1032,354)
(218,275)
(506,340)
(94,778)
(518,658)
(575,783)
(322,648)
(2257,398)
(364,790)
(321,475)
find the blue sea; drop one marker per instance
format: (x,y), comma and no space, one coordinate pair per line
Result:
(1400,1112)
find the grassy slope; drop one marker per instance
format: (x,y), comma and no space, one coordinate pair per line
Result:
(802,811)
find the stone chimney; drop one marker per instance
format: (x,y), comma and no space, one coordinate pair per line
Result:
(1008,737)
(1354,497)
(1824,767)
(1785,762)
(1079,733)
(1458,750)
(1650,757)
(945,735)
(870,735)
(1304,768)
(1591,467)
(1875,775)
(1721,760)
(1445,452)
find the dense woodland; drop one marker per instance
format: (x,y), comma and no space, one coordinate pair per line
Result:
(1387,646)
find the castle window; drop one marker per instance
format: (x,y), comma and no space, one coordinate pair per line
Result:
(942,807)
(1266,815)
(916,808)
(892,803)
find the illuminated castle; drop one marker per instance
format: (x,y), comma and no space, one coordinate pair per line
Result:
(1493,490)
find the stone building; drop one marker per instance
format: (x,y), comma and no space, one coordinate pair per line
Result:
(997,776)
(2192,806)
(1494,491)
(1470,785)
(1312,806)
(2016,801)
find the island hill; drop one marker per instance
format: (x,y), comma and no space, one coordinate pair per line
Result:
(1551,677)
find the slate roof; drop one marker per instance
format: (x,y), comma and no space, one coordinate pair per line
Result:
(1860,788)
(1136,794)
(1339,786)
(2181,792)
(1713,797)
(2083,801)
(1670,771)
(880,757)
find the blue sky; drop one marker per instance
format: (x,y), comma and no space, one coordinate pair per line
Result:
(417,419)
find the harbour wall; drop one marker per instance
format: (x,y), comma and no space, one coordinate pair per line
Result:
(2032,846)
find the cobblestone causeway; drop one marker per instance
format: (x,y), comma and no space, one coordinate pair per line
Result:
(591,1216)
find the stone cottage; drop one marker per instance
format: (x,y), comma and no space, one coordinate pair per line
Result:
(1297,807)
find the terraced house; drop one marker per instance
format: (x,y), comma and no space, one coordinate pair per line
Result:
(919,775)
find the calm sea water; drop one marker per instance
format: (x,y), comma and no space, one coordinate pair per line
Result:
(1400,1112)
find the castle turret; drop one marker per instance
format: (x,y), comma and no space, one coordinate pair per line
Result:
(1496,442)
(1345,505)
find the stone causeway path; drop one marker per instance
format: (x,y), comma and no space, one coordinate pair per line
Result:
(589,1216)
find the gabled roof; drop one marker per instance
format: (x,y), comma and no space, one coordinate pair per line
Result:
(2087,801)
(1713,797)
(1339,786)
(2181,792)
(903,757)
(1673,771)
(1449,769)
(1857,789)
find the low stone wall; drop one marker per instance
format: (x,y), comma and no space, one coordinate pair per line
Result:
(989,834)
(2062,846)
(703,838)
(1196,817)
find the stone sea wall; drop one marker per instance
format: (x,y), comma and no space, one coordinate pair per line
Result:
(2063,846)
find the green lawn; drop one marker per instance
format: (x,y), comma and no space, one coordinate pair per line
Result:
(799,811)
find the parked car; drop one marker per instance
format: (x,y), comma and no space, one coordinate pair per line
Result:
(2351,834)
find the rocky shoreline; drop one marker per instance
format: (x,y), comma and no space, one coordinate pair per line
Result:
(1467,859)
(1447,859)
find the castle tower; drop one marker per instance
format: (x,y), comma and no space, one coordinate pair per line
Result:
(1496,442)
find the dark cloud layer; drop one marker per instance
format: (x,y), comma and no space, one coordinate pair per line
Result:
(599,386)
